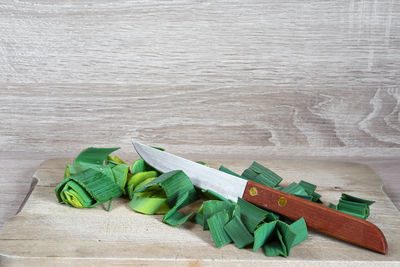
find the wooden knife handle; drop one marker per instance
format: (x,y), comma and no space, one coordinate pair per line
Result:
(319,217)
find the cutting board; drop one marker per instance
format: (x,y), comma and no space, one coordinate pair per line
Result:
(45,232)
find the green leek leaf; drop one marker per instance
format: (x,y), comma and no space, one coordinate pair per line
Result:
(216,224)
(93,155)
(177,188)
(173,216)
(263,234)
(356,199)
(115,159)
(140,166)
(308,187)
(213,195)
(295,189)
(136,179)
(120,173)
(238,232)
(262,175)
(252,215)
(276,247)
(211,207)
(299,227)
(147,205)
(357,209)
(228,171)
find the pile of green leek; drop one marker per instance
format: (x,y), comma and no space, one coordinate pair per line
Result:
(96,177)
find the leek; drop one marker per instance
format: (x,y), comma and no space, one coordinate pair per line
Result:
(87,189)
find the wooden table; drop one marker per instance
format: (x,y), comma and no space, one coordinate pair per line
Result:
(305,80)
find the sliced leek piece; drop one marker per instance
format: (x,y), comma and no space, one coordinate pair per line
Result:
(211,207)
(115,159)
(308,187)
(120,173)
(263,234)
(357,209)
(252,215)
(177,189)
(224,169)
(216,224)
(299,227)
(94,155)
(356,199)
(147,205)
(238,232)
(295,189)
(262,175)
(213,195)
(136,179)
(173,216)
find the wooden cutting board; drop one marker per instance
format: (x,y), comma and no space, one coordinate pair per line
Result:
(45,232)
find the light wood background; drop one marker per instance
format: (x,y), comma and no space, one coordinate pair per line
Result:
(237,79)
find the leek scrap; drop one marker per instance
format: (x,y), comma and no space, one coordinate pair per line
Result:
(238,232)
(93,155)
(262,175)
(353,205)
(252,215)
(228,171)
(216,223)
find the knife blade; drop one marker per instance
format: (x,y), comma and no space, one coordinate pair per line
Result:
(317,216)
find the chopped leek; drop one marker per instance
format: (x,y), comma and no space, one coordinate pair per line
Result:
(353,205)
(238,232)
(96,177)
(252,215)
(263,233)
(262,175)
(93,155)
(179,192)
(216,223)
(228,171)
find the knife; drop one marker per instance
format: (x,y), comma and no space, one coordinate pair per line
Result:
(317,216)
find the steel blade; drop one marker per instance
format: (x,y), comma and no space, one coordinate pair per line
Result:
(229,186)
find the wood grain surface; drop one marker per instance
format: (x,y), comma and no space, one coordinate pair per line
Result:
(82,237)
(254,79)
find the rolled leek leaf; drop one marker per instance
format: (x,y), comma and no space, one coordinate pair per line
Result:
(87,189)
(137,179)
(140,166)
